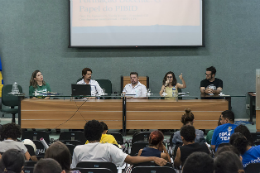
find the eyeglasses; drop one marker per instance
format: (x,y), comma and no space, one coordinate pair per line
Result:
(207,74)
(169,76)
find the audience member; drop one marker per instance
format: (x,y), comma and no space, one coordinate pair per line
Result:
(189,145)
(96,151)
(10,133)
(12,161)
(187,119)
(250,154)
(38,86)
(105,138)
(228,162)
(48,165)
(60,152)
(169,81)
(198,162)
(222,149)
(156,147)
(223,132)
(210,133)
(244,130)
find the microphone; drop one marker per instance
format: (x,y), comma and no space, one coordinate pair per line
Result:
(44,143)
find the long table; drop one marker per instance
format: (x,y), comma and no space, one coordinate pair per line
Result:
(119,113)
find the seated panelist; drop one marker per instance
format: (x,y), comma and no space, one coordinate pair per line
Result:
(135,87)
(86,79)
(38,86)
(211,85)
(170,84)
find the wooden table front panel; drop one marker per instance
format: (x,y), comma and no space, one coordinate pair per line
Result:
(166,114)
(70,114)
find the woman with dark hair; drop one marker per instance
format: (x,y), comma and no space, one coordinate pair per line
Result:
(244,130)
(156,147)
(228,162)
(38,86)
(10,133)
(12,161)
(250,154)
(187,119)
(60,152)
(170,85)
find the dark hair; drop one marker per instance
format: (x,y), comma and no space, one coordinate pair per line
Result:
(228,162)
(85,70)
(134,73)
(93,130)
(234,136)
(198,162)
(104,125)
(244,130)
(47,165)
(188,133)
(225,148)
(11,130)
(155,137)
(174,80)
(32,81)
(12,161)
(212,69)
(229,115)
(187,117)
(240,143)
(59,152)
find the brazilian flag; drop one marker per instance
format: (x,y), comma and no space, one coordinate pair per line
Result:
(1,78)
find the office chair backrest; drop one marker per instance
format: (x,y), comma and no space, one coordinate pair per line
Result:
(153,169)
(71,148)
(73,136)
(9,99)
(28,169)
(118,136)
(253,168)
(105,84)
(34,136)
(93,170)
(152,164)
(29,163)
(137,146)
(72,142)
(30,149)
(142,136)
(109,165)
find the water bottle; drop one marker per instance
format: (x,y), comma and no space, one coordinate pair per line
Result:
(174,92)
(15,89)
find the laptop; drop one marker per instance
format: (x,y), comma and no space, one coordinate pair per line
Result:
(80,90)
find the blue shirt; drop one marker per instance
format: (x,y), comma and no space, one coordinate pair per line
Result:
(251,156)
(222,134)
(147,151)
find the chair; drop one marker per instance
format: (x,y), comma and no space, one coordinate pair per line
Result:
(105,84)
(152,164)
(153,169)
(253,168)
(40,150)
(75,143)
(109,165)
(28,169)
(137,146)
(10,100)
(93,170)
(142,136)
(118,136)
(34,136)
(255,137)
(171,144)
(30,149)
(71,148)
(73,136)
(29,163)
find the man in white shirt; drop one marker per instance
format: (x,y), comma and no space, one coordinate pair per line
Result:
(86,79)
(105,152)
(135,88)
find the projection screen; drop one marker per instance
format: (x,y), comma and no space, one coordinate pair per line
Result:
(109,23)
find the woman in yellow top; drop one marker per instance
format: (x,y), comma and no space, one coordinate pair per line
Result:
(105,138)
(170,85)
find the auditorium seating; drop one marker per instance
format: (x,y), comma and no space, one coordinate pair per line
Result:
(109,165)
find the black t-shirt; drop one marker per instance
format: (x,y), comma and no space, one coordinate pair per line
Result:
(212,85)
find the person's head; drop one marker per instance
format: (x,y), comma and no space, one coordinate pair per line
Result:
(228,162)
(59,152)
(227,117)
(12,161)
(156,138)
(93,130)
(188,133)
(187,117)
(36,78)
(12,131)
(240,142)
(244,130)
(170,77)
(86,73)
(134,77)
(198,162)
(210,73)
(105,127)
(225,148)
(48,165)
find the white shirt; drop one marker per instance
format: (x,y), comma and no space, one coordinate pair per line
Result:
(95,88)
(98,152)
(139,90)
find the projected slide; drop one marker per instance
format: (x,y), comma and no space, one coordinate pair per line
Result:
(136,23)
